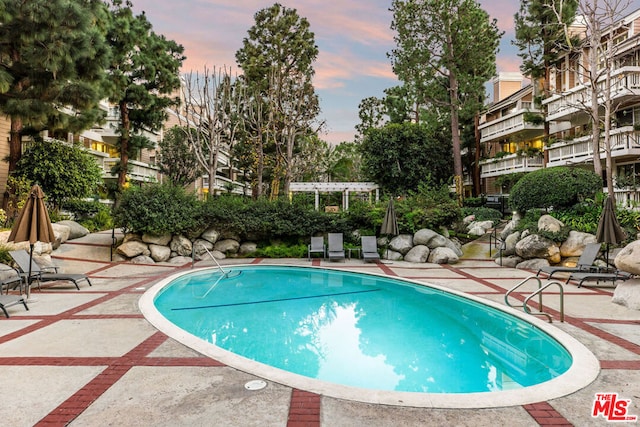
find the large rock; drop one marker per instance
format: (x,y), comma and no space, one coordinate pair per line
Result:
(142,259)
(628,259)
(211,235)
(575,243)
(157,239)
(419,253)
(133,248)
(627,294)
(536,246)
(75,230)
(455,246)
(391,255)
(402,243)
(428,238)
(159,253)
(227,246)
(509,228)
(509,261)
(201,246)
(443,256)
(533,264)
(549,223)
(510,243)
(61,231)
(181,245)
(247,248)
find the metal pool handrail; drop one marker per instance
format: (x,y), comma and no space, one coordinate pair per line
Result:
(193,258)
(541,288)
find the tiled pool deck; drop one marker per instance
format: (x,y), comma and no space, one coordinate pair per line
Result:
(89,358)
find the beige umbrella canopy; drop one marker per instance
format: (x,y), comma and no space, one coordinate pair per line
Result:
(32,225)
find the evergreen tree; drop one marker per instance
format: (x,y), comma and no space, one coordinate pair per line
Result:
(53,58)
(144,71)
(446,51)
(177,159)
(277,61)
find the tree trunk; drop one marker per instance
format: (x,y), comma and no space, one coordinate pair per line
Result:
(124,145)
(477,187)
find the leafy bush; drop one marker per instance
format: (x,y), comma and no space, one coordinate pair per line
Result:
(428,207)
(156,209)
(556,187)
(281,251)
(530,222)
(482,213)
(63,171)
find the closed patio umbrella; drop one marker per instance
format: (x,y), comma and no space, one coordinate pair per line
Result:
(389,224)
(609,230)
(32,225)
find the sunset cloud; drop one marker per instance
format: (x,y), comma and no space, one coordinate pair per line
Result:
(353,39)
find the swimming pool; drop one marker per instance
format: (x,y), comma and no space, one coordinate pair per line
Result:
(368,337)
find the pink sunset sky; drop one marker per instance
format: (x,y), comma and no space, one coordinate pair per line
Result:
(353,38)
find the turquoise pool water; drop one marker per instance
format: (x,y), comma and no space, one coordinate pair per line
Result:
(362,330)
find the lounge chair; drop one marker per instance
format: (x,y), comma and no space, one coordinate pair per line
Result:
(598,276)
(21,258)
(9,300)
(585,262)
(369,248)
(316,246)
(336,247)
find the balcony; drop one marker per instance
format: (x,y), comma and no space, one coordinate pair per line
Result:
(138,171)
(507,125)
(625,82)
(625,141)
(509,164)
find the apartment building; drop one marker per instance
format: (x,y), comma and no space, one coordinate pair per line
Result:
(567,108)
(100,141)
(512,131)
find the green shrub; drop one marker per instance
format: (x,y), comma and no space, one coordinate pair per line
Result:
(556,187)
(281,251)
(156,209)
(482,213)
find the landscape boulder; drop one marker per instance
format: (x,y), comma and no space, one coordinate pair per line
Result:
(442,255)
(536,246)
(75,230)
(402,243)
(418,254)
(628,259)
(549,223)
(227,246)
(157,239)
(575,243)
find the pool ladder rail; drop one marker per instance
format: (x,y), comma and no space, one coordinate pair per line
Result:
(538,292)
(224,274)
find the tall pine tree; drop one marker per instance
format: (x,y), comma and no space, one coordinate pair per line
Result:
(144,72)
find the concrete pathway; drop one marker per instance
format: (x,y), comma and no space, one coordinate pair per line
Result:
(89,358)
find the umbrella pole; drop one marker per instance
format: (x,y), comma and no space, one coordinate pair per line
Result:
(29,274)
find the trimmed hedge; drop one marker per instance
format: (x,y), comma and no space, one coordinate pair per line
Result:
(557,187)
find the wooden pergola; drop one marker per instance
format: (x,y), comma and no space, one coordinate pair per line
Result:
(330,187)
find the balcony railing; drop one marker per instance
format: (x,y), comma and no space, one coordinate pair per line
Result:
(138,171)
(625,81)
(624,141)
(509,164)
(505,126)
